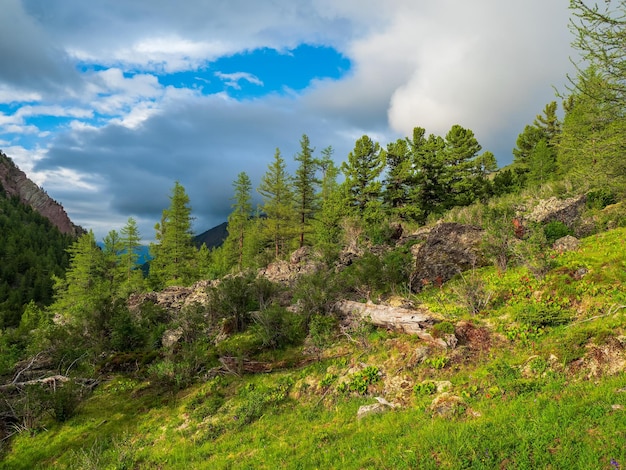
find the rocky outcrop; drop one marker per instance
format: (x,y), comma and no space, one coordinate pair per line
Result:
(449,249)
(553,209)
(173,299)
(15,183)
(286,272)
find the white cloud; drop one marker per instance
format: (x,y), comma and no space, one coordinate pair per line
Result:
(232,79)
(488,65)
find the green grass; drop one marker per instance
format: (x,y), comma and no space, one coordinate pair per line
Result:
(546,394)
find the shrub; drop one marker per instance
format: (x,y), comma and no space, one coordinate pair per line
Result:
(441,329)
(235,297)
(316,293)
(276,327)
(555,230)
(360,381)
(322,331)
(600,198)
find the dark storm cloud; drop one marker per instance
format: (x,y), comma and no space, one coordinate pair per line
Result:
(28,60)
(488,65)
(202,142)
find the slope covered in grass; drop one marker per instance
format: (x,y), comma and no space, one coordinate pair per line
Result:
(536,381)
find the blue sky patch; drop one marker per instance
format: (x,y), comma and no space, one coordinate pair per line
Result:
(263,71)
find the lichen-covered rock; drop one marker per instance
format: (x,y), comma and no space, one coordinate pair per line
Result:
(553,209)
(450,249)
(566,243)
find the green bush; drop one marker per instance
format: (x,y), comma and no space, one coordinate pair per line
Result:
(235,297)
(541,315)
(600,198)
(441,329)
(555,230)
(322,330)
(316,293)
(277,327)
(240,345)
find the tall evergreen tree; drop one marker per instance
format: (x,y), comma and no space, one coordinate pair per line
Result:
(362,171)
(399,178)
(431,192)
(462,176)
(174,254)
(278,206)
(130,242)
(80,294)
(239,219)
(593,140)
(329,173)
(304,185)
(599,30)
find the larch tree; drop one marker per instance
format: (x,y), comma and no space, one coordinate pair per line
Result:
(174,254)
(278,205)
(239,218)
(80,294)
(130,242)
(304,185)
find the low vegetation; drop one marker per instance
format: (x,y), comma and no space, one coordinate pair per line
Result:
(234,357)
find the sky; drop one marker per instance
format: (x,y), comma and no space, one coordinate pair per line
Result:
(107,103)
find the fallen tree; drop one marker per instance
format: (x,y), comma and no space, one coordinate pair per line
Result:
(415,322)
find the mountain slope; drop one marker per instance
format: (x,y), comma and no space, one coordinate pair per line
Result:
(14,182)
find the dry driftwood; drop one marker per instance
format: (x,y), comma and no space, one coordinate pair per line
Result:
(393,318)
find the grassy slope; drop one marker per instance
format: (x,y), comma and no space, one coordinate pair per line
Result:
(552,397)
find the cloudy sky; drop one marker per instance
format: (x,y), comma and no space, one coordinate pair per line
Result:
(106,103)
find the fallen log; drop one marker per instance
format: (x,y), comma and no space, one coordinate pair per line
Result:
(50,381)
(405,320)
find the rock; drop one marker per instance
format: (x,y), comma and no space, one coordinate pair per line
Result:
(367,410)
(376,408)
(286,272)
(567,243)
(450,249)
(553,209)
(302,254)
(443,385)
(171,337)
(421,353)
(445,404)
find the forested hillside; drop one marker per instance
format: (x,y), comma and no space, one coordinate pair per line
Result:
(32,251)
(413,306)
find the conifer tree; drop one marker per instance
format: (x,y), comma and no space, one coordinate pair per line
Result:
(278,206)
(130,241)
(594,134)
(239,219)
(304,185)
(329,173)
(174,254)
(81,293)
(430,190)
(362,170)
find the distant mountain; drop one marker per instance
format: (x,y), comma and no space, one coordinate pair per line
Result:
(14,182)
(213,237)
